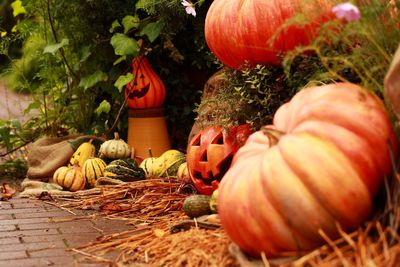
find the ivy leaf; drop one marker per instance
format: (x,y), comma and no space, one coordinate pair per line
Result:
(124,45)
(119,60)
(18,8)
(152,30)
(5,136)
(34,105)
(52,49)
(84,53)
(90,80)
(103,107)
(130,22)
(115,24)
(123,80)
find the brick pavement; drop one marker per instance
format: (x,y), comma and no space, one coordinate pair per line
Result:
(33,233)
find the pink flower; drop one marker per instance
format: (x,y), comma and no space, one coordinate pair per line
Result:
(346,11)
(189,8)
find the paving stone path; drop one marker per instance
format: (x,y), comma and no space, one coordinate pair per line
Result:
(34,233)
(31,233)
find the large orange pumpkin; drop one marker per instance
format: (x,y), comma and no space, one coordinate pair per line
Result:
(255,31)
(147,89)
(320,163)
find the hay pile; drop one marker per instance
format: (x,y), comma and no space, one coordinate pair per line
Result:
(154,206)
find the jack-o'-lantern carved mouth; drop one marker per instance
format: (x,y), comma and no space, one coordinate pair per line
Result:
(139,92)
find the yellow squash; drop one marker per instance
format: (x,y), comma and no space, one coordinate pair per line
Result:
(85,150)
(93,168)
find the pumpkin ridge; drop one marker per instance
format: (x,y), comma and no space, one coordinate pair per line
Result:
(337,161)
(355,147)
(318,213)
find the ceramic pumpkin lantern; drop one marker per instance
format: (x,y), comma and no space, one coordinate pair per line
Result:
(255,31)
(320,164)
(210,153)
(146,90)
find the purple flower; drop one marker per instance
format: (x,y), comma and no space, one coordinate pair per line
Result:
(189,8)
(346,11)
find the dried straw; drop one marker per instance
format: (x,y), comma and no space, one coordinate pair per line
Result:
(153,206)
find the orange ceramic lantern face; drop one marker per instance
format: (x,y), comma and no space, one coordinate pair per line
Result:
(146,90)
(210,153)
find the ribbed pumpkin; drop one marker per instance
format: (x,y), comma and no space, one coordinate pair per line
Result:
(254,30)
(92,169)
(147,89)
(319,164)
(70,178)
(115,148)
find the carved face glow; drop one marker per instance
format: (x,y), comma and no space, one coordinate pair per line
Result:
(210,154)
(146,90)
(139,88)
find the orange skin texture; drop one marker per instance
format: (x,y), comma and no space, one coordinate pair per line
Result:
(325,169)
(253,30)
(146,80)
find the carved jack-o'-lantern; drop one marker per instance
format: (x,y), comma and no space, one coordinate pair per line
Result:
(146,90)
(210,153)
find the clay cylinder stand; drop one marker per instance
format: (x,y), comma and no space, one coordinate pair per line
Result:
(147,131)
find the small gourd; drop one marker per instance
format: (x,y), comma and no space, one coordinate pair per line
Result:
(213,201)
(183,173)
(115,148)
(147,165)
(196,205)
(92,169)
(168,163)
(70,178)
(83,152)
(124,169)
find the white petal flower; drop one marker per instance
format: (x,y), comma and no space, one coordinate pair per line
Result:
(189,8)
(347,12)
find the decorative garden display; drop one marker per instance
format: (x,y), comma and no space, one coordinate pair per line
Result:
(317,167)
(210,153)
(258,31)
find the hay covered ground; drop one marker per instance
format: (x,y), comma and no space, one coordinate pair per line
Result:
(162,235)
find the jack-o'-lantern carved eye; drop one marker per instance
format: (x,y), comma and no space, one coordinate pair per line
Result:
(210,154)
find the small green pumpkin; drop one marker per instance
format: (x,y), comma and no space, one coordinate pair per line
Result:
(92,169)
(197,205)
(124,169)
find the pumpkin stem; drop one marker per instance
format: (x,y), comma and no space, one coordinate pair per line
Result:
(116,136)
(150,153)
(272,134)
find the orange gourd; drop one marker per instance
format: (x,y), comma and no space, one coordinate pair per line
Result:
(147,89)
(321,162)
